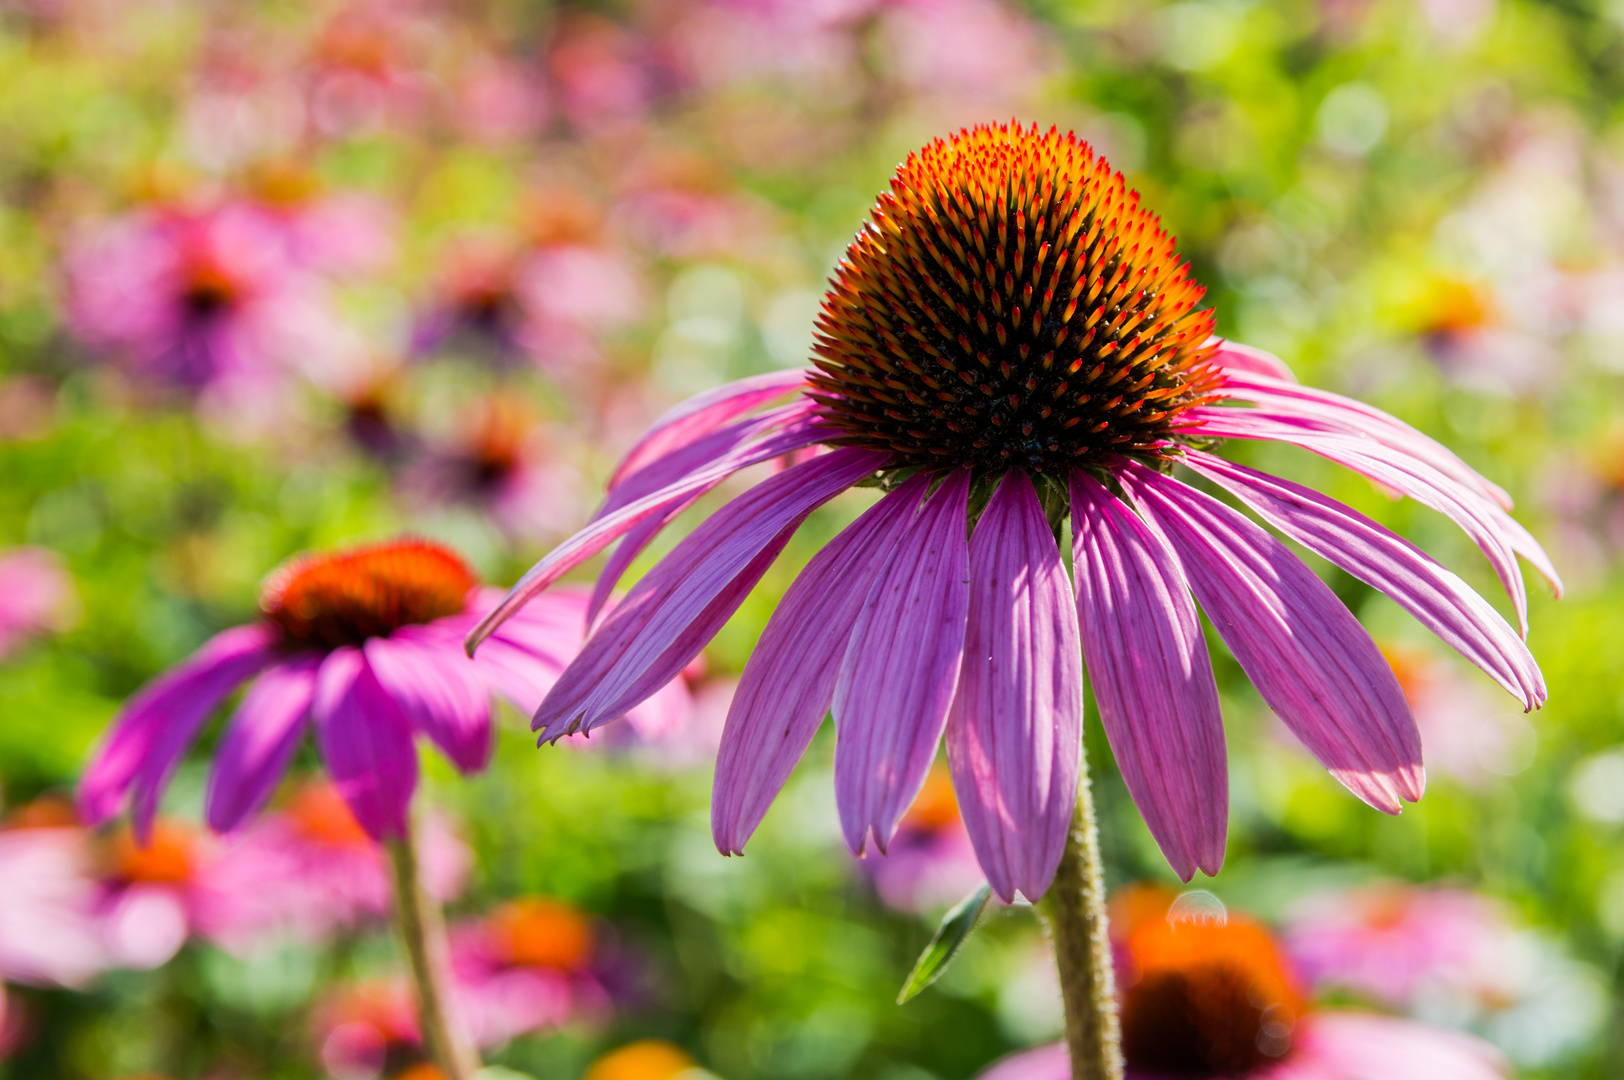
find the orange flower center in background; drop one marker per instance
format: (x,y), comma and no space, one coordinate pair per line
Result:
(936,807)
(209,289)
(1206,999)
(319,813)
(168,858)
(1008,303)
(346,597)
(648,1059)
(542,933)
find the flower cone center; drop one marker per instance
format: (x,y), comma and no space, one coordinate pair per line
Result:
(344,598)
(1206,1000)
(1009,302)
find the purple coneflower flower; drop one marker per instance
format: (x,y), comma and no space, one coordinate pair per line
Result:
(1008,340)
(363,644)
(1217,999)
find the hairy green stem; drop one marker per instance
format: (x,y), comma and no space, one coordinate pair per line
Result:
(1074,911)
(422,929)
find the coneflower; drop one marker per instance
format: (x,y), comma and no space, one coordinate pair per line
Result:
(1011,338)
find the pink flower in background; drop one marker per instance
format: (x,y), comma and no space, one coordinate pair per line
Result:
(367,71)
(500,99)
(362,645)
(36,596)
(931,863)
(1450,957)
(309,871)
(1469,732)
(196,298)
(49,932)
(150,896)
(1215,999)
(548,301)
(363,1029)
(571,293)
(1386,941)
(605,75)
(527,966)
(502,464)
(908,628)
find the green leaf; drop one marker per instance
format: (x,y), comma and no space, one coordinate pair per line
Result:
(954,931)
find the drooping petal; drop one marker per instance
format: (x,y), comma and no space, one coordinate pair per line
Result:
(1357,418)
(439,690)
(1014,733)
(1236,358)
(366,741)
(1304,651)
(631,545)
(151,733)
(789,679)
(901,668)
(1440,600)
(603,530)
(665,621)
(260,741)
(1152,677)
(703,413)
(1477,516)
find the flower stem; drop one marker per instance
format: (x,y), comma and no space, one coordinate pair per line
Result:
(423,930)
(1074,909)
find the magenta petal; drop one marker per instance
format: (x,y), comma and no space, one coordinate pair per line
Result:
(789,680)
(700,415)
(680,605)
(631,545)
(1238,359)
(153,730)
(1304,651)
(901,668)
(439,689)
(1441,601)
(1152,677)
(603,530)
(260,741)
(1479,517)
(1354,417)
(1014,733)
(366,741)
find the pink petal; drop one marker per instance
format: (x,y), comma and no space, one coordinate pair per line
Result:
(1236,359)
(1354,417)
(606,528)
(518,676)
(631,545)
(1014,733)
(153,730)
(1364,1046)
(1481,519)
(439,689)
(680,605)
(366,741)
(260,741)
(702,414)
(1304,651)
(1442,602)
(1152,677)
(901,668)
(789,680)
